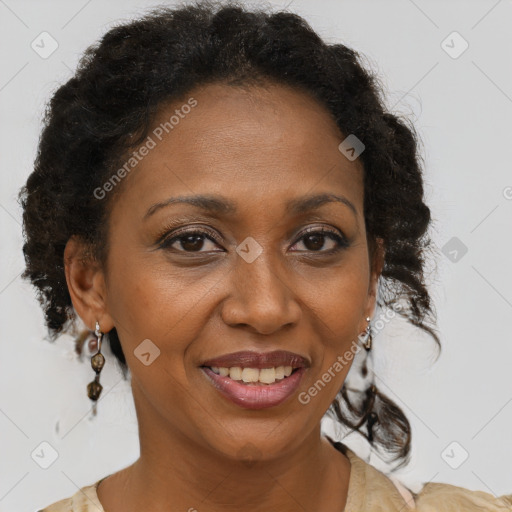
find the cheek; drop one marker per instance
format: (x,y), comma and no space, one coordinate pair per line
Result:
(341,299)
(339,310)
(160,302)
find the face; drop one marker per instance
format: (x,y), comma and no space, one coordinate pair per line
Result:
(257,265)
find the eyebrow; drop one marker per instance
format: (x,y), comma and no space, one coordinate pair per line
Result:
(221,205)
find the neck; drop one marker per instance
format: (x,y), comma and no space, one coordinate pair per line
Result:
(177,471)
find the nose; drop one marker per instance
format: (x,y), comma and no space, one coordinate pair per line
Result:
(262,298)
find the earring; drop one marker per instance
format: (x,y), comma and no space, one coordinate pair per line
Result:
(97,362)
(370,416)
(367,344)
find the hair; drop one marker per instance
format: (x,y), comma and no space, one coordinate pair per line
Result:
(108,106)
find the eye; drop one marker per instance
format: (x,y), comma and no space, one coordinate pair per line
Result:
(315,239)
(195,240)
(190,241)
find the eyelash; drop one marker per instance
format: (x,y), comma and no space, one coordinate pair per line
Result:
(165,242)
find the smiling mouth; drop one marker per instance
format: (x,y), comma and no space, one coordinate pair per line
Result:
(254,376)
(255,394)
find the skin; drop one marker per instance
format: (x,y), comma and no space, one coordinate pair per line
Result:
(258,147)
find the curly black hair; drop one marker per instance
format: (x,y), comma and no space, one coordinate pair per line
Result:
(107,107)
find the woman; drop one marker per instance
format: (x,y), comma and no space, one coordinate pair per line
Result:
(222,196)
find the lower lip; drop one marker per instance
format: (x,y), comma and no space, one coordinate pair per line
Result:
(251,396)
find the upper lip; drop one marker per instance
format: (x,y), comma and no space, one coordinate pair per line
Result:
(250,359)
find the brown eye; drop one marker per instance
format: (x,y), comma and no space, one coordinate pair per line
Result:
(190,241)
(315,240)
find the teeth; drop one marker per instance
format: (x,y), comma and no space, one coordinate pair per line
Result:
(250,375)
(235,373)
(254,375)
(223,372)
(267,375)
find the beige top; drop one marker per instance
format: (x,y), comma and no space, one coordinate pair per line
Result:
(369,490)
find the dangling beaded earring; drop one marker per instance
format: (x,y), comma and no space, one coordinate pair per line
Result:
(97,362)
(368,342)
(367,416)
(370,417)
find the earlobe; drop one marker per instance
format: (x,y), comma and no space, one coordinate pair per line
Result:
(86,285)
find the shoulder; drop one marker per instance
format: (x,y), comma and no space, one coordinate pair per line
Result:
(84,500)
(439,497)
(65,505)
(373,491)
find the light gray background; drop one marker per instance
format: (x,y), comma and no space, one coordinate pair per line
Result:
(462,108)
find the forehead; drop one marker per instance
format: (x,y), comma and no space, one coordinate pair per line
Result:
(263,143)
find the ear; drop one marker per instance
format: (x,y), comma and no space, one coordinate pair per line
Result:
(376,269)
(86,285)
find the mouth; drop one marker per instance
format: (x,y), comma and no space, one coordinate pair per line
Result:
(254,376)
(255,380)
